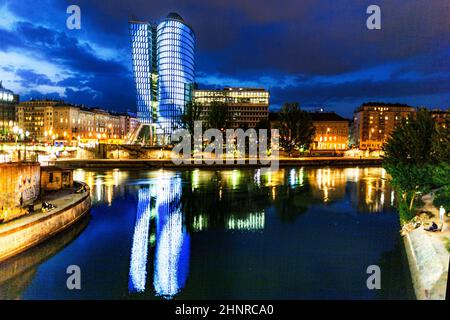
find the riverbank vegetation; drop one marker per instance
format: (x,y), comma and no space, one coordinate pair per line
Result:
(295,128)
(417,157)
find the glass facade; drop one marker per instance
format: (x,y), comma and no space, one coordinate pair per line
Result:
(175,47)
(246,107)
(232,95)
(163,66)
(8,101)
(143,46)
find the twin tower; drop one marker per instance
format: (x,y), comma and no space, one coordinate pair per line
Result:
(164,73)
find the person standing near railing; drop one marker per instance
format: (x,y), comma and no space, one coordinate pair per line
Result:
(441,216)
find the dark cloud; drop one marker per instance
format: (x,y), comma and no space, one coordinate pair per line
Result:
(251,40)
(30,79)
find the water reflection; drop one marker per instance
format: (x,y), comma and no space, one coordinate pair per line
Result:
(171,207)
(159,204)
(367,187)
(139,249)
(18,272)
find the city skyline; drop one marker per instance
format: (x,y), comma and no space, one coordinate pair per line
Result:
(344,64)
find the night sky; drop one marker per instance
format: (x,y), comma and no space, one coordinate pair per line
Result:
(318,53)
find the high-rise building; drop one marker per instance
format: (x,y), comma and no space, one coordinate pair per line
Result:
(246,107)
(8,101)
(374,122)
(164,73)
(143,49)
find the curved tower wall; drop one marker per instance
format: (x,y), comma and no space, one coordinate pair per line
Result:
(175,42)
(143,47)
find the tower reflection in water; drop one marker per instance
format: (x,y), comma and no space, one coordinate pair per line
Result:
(173,205)
(160,204)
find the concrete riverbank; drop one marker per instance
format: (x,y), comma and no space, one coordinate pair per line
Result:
(167,163)
(23,233)
(428,265)
(428,255)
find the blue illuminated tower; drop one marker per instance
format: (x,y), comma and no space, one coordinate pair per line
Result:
(164,73)
(143,47)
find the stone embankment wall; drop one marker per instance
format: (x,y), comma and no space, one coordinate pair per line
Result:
(19,185)
(25,232)
(428,266)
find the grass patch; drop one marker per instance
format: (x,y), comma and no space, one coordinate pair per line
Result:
(447,244)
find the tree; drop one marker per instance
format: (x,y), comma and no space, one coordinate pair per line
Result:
(416,158)
(441,172)
(192,112)
(218,115)
(412,141)
(295,128)
(440,148)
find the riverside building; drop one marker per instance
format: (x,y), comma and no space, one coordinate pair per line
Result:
(53,121)
(374,122)
(246,107)
(332,132)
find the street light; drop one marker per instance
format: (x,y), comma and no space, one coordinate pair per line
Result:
(27,133)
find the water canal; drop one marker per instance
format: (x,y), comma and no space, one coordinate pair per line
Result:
(295,233)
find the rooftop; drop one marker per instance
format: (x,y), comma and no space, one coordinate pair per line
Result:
(175,16)
(2,88)
(383,104)
(233,89)
(326,116)
(315,116)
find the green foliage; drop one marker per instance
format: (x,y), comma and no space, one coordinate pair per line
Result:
(295,128)
(218,115)
(411,142)
(417,159)
(441,143)
(405,213)
(441,184)
(192,113)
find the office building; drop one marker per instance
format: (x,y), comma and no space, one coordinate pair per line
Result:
(246,107)
(164,73)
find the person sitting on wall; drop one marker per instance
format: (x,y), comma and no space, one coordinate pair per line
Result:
(47,206)
(433,227)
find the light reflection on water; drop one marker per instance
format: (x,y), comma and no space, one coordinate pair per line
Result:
(169,209)
(371,191)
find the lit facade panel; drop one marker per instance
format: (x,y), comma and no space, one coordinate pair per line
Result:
(164,72)
(176,70)
(246,106)
(143,39)
(8,101)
